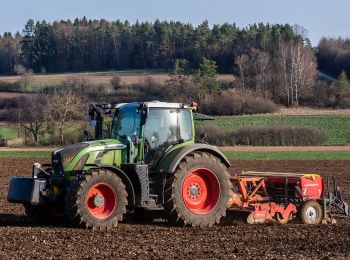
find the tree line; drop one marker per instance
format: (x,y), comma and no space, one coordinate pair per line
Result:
(85,45)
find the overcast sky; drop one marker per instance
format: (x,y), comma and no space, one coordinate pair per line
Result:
(319,17)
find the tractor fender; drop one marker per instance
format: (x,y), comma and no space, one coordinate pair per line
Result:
(126,180)
(197,147)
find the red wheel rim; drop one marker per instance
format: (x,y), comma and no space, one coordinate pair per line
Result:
(101,200)
(201,191)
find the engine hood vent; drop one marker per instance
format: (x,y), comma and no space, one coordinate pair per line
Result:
(68,152)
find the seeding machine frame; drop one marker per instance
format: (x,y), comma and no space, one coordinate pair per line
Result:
(272,196)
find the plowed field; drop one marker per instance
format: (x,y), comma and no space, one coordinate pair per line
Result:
(157,240)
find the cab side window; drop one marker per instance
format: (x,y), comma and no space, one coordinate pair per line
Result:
(163,128)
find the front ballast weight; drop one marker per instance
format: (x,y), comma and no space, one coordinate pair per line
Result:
(281,197)
(28,190)
(35,190)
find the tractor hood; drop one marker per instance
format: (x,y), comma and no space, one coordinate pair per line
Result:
(66,155)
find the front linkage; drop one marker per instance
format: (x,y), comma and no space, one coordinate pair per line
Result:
(41,194)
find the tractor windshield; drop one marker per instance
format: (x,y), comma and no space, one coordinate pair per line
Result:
(126,122)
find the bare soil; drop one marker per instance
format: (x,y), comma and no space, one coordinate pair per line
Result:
(157,240)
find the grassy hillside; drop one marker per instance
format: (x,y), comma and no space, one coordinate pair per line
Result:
(337,127)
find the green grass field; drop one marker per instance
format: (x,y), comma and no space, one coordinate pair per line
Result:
(8,133)
(290,155)
(336,127)
(37,154)
(34,86)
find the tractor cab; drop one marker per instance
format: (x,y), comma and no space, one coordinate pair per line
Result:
(149,129)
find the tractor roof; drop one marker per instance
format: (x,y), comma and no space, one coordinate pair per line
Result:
(165,104)
(157,104)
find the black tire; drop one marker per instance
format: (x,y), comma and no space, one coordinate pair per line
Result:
(311,213)
(77,202)
(40,214)
(176,209)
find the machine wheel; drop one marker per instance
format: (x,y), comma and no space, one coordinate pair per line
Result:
(311,213)
(198,193)
(44,214)
(97,201)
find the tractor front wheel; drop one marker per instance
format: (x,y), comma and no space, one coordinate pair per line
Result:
(198,193)
(97,201)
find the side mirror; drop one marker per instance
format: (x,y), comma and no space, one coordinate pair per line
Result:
(135,137)
(143,114)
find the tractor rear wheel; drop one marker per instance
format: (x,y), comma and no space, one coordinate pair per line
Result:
(198,193)
(97,201)
(311,213)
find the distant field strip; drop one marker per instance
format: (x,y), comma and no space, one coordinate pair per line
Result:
(38,81)
(337,127)
(237,155)
(284,148)
(8,132)
(38,154)
(290,155)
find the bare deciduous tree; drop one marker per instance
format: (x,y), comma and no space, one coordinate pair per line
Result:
(296,71)
(62,106)
(243,65)
(260,62)
(31,114)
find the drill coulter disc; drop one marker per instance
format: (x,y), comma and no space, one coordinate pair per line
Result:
(282,220)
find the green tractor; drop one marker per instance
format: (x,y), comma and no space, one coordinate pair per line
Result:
(150,162)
